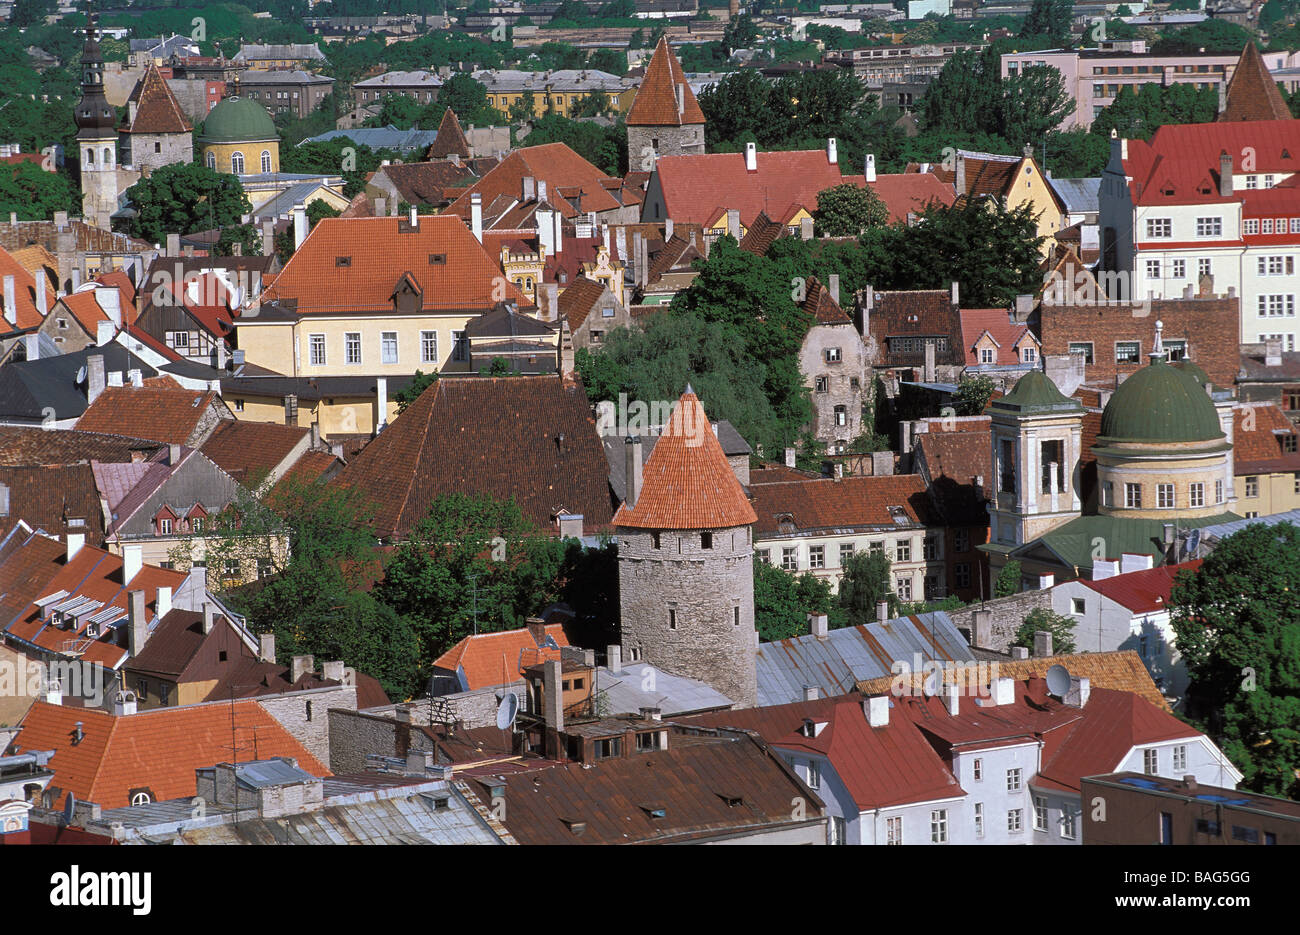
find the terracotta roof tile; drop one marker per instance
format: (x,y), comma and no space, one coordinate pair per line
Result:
(578,299)
(450,139)
(825,310)
(999,326)
(761,234)
(1257,440)
(23,446)
(687,482)
(827,503)
(156,750)
(1145,591)
(1252,92)
(907,193)
(24,294)
(655,104)
(380,252)
(48,497)
(157,110)
(921,313)
(250,451)
(488,435)
(553,163)
(491,659)
(421,183)
(165,415)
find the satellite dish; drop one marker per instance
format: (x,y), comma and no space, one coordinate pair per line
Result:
(507,710)
(81,375)
(1193,542)
(1058,680)
(68,805)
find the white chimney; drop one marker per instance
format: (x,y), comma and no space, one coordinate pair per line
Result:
(955,294)
(381,402)
(1046,581)
(415,217)
(124,703)
(1103,568)
(104,331)
(546,231)
(833,286)
(209,616)
(75,541)
(811,693)
(299,225)
(53,691)
(882,611)
(115,378)
(136,377)
(163,603)
(94,377)
(1134,561)
(790,457)
(614,658)
(818,625)
(558,218)
(132,562)
(42,305)
(952,699)
(878,711)
(1004,691)
(11,302)
(110,300)
(476,216)
(751,157)
(870,168)
(832,151)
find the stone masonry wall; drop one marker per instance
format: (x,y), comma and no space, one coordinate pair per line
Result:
(704,587)
(1006,614)
(305,714)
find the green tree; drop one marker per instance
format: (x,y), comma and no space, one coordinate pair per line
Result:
(414,390)
(318,209)
(524,109)
(848,210)
(30,12)
(865,584)
(36,194)
(245,235)
(1008,580)
(468,98)
(1237,623)
(783,601)
(1211,35)
(591,105)
(740,33)
(603,147)
(1049,18)
(973,394)
(1044,618)
(184,198)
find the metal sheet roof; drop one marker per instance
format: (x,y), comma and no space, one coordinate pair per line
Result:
(847,656)
(672,694)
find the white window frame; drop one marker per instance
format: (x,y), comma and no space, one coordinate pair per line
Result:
(1160,228)
(894,830)
(939,826)
(1040,813)
(316,355)
(979,819)
(425,338)
(387,340)
(1196,494)
(351,342)
(1180,758)
(1015,779)
(1151,761)
(1015,821)
(1209,227)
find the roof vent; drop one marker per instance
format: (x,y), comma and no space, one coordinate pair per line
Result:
(654,811)
(733,799)
(343,261)
(437,259)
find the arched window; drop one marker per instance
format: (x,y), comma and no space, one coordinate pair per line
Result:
(211,160)
(141,798)
(108,156)
(90,156)
(266,160)
(237,162)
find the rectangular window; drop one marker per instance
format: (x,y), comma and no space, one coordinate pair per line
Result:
(832,355)
(790,559)
(1160,227)
(1275,265)
(1078,606)
(1276,305)
(1266,226)
(939,826)
(1133,496)
(930,548)
(893,830)
(1153,269)
(1252,181)
(903,550)
(817,556)
(1207,826)
(1067,823)
(903,588)
(1177,269)
(165,527)
(1175,349)
(1218,491)
(846,553)
(1084,348)
(1126,352)
(837,829)
(1108,494)
(459,346)
(232,567)
(1250,226)
(428,347)
(316,349)
(977,769)
(1040,813)
(1180,758)
(1245,835)
(352,347)
(1008,465)
(672,619)
(1204,266)
(987,355)
(1151,762)
(1252,487)
(1295,225)
(814,775)
(823,385)
(388,347)
(961,574)
(979,819)
(1196,494)
(1013,821)
(1165,496)
(961,540)
(1209,227)
(1013,780)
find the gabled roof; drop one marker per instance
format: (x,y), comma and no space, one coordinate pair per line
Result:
(881,767)
(916,312)
(421,183)
(172,416)
(1252,92)
(1257,434)
(701,188)
(687,482)
(492,659)
(379,252)
(998,324)
(761,234)
(655,104)
(49,497)
(250,451)
(528,437)
(824,309)
(553,163)
(451,138)
(907,193)
(156,750)
(22,446)
(1145,591)
(157,110)
(579,298)
(27,314)
(885,501)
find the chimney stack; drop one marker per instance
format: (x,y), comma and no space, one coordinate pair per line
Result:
(137,624)
(878,711)
(751,157)
(132,562)
(1042,643)
(299,225)
(818,626)
(381,403)
(882,610)
(163,603)
(633,468)
(952,699)
(833,285)
(790,457)
(42,303)
(476,216)
(1225,174)
(75,542)
(869,170)
(266,647)
(173,245)
(268,237)
(614,658)
(11,302)
(209,617)
(302,665)
(553,706)
(811,693)
(1079,692)
(733,223)
(832,151)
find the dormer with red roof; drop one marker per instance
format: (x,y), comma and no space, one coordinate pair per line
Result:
(686,578)
(665,119)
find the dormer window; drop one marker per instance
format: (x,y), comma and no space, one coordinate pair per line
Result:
(164,527)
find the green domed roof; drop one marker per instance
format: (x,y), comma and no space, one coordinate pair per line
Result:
(1160,403)
(238,120)
(1035,392)
(1188,366)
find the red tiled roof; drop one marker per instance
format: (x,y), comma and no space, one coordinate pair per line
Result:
(828,503)
(825,310)
(687,482)
(1252,92)
(450,138)
(1142,592)
(960,455)
(761,234)
(382,251)
(48,497)
(553,163)
(249,451)
(499,436)
(882,767)
(915,313)
(1257,435)
(24,294)
(491,659)
(907,193)
(164,415)
(156,750)
(157,110)
(578,299)
(700,188)
(998,324)
(431,183)
(655,104)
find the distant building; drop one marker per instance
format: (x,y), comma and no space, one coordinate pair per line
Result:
(239,137)
(286,91)
(1146,809)
(268,57)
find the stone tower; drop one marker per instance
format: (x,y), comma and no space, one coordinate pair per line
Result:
(1037,443)
(156,132)
(665,119)
(686,558)
(96,138)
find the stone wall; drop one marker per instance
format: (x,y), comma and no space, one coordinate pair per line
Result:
(700,591)
(305,714)
(838,378)
(672,141)
(171,148)
(1004,617)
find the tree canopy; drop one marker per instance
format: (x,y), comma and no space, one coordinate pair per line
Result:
(184,198)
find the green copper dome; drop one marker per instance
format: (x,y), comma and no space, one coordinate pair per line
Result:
(1160,403)
(1035,392)
(1188,366)
(238,120)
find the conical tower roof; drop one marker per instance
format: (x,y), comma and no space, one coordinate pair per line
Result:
(1252,92)
(451,138)
(156,107)
(687,482)
(655,104)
